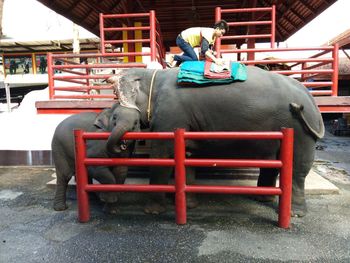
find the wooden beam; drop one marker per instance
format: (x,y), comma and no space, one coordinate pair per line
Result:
(312,10)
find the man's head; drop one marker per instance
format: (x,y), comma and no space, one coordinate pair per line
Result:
(221,27)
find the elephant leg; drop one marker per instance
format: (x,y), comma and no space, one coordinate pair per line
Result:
(159,175)
(304,153)
(191,198)
(157,201)
(105,176)
(267,177)
(64,173)
(64,166)
(120,173)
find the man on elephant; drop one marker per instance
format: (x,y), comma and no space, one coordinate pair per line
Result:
(203,37)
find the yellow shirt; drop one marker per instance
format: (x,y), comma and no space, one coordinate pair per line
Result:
(192,35)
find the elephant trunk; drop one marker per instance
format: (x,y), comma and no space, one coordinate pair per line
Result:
(116,134)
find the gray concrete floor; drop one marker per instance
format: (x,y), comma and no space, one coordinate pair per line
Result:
(222,229)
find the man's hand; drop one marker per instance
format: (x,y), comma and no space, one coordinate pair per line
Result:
(219,61)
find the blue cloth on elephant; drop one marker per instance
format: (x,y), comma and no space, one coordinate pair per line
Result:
(193,72)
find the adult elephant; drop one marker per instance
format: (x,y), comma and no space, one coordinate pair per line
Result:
(63,152)
(266,101)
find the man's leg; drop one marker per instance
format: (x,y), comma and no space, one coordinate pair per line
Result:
(189,54)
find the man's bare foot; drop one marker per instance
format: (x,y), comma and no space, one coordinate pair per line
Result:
(170,64)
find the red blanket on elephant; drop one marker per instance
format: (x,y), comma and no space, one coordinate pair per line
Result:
(214,71)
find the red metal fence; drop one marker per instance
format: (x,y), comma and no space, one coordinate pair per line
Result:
(309,69)
(249,23)
(81,78)
(79,74)
(284,163)
(151,26)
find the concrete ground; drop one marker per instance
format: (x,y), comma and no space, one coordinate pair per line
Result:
(222,229)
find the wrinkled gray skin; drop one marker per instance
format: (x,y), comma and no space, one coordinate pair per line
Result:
(63,152)
(265,102)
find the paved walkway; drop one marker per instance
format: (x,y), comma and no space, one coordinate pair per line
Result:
(223,229)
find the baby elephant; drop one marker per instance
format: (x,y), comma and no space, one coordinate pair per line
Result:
(63,154)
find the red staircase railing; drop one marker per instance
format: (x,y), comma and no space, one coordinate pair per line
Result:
(151,27)
(284,163)
(72,80)
(248,23)
(303,69)
(318,72)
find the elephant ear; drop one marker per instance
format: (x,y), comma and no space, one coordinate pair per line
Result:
(102,120)
(126,87)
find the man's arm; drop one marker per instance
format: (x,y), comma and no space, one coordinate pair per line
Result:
(205,50)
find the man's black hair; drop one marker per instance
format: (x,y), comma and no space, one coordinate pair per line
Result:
(222,24)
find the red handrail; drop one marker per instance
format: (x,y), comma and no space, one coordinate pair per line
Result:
(179,161)
(218,16)
(155,42)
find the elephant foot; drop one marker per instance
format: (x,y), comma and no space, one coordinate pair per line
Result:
(298,210)
(110,208)
(108,197)
(191,201)
(59,206)
(155,208)
(264,198)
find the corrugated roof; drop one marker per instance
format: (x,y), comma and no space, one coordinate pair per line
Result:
(342,39)
(13,46)
(174,16)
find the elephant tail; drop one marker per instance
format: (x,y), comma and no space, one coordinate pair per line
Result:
(297,110)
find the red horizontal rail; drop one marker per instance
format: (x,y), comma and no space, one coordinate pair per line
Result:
(250,23)
(102,87)
(69,77)
(233,163)
(290,72)
(129,162)
(146,40)
(233,135)
(130,135)
(287,60)
(262,135)
(245,10)
(130,188)
(87,96)
(92,55)
(246,36)
(321,92)
(240,190)
(318,84)
(257,50)
(92,66)
(125,15)
(71,81)
(131,28)
(73,71)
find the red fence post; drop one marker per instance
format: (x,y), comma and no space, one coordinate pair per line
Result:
(102,34)
(81,177)
(285,199)
(50,73)
(217,41)
(273,26)
(335,66)
(180,177)
(152,33)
